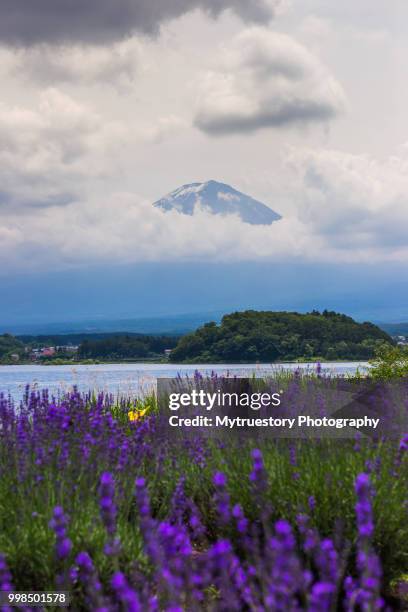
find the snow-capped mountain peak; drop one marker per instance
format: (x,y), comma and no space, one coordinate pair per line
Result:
(217,199)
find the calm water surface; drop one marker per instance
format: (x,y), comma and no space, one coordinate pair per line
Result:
(132,379)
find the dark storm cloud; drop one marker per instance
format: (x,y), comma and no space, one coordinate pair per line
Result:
(293,112)
(27,22)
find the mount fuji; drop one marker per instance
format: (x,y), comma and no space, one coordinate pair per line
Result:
(217,199)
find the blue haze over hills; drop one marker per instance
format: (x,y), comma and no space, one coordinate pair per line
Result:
(175,297)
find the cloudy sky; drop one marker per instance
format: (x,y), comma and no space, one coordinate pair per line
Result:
(106,107)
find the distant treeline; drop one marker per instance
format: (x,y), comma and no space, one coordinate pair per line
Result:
(280,336)
(241,337)
(9,345)
(104,346)
(126,347)
(77,338)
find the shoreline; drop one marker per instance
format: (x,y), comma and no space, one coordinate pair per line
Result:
(184,363)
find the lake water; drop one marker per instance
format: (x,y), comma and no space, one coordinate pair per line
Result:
(132,379)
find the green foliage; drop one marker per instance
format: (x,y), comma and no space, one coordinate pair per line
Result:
(125,347)
(270,336)
(8,346)
(391,362)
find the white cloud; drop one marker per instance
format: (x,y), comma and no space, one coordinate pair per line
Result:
(67,152)
(347,208)
(47,153)
(266,79)
(163,127)
(357,202)
(116,65)
(123,228)
(228,197)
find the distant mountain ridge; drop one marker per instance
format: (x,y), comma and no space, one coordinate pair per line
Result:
(218,199)
(159,325)
(395,329)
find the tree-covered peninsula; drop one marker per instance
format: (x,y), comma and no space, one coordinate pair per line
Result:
(252,336)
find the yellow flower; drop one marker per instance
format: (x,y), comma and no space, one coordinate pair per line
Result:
(136,415)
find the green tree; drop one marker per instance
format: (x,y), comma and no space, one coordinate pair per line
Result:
(390,362)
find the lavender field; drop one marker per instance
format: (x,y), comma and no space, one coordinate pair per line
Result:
(94,503)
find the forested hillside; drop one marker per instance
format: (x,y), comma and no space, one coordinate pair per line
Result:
(9,346)
(271,336)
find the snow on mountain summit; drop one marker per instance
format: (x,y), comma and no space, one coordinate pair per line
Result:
(218,199)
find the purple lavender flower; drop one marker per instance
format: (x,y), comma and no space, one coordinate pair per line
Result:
(258,476)
(107,503)
(219,480)
(59,524)
(369,466)
(310,537)
(224,567)
(175,566)
(86,574)
(286,576)
(293,461)
(5,575)
(174,540)
(321,597)
(402,450)
(327,560)
(108,513)
(312,503)
(142,497)
(222,499)
(178,503)
(124,594)
(184,511)
(292,455)
(196,527)
(365,593)
(6,583)
(241,521)
(148,525)
(403,447)
(363,507)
